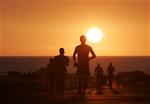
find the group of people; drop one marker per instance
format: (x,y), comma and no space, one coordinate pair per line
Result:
(57,70)
(101,78)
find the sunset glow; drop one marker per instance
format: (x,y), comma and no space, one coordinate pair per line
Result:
(41,27)
(94,35)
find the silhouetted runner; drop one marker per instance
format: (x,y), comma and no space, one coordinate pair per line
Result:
(99,76)
(110,71)
(82,63)
(61,62)
(51,75)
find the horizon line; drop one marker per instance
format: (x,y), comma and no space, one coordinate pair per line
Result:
(71,56)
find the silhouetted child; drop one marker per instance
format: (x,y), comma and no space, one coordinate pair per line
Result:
(110,71)
(99,76)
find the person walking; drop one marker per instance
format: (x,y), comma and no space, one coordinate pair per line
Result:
(98,71)
(61,62)
(82,63)
(110,74)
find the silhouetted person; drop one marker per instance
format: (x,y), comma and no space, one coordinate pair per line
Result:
(110,71)
(82,63)
(51,75)
(99,76)
(61,63)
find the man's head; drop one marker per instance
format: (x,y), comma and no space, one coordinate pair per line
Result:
(61,51)
(82,39)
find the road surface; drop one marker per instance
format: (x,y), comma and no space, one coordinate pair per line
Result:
(92,96)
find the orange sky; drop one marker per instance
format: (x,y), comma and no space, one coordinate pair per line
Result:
(41,27)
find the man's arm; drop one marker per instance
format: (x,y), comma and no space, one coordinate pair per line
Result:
(92,53)
(67,60)
(74,57)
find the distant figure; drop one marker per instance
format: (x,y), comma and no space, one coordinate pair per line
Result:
(82,63)
(51,75)
(110,71)
(99,76)
(61,63)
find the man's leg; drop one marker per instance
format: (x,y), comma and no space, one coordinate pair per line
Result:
(110,83)
(79,84)
(58,85)
(98,83)
(85,82)
(62,85)
(51,85)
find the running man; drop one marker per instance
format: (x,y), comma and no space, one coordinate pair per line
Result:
(82,63)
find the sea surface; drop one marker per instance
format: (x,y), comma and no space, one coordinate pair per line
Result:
(30,63)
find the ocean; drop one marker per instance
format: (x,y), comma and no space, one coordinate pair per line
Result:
(30,63)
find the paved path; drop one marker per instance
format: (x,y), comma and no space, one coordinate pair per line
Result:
(92,96)
(115,96)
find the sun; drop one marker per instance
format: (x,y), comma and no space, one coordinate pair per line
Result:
(94,35)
